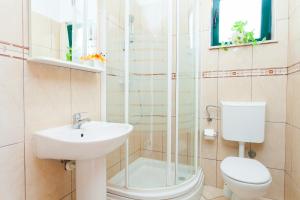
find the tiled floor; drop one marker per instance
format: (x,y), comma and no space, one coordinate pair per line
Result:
(212,193)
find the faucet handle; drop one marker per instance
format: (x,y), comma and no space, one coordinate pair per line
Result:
(77,116)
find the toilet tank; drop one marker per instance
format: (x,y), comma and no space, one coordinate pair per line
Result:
(243,121)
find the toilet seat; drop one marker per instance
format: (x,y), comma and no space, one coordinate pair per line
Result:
(245,170)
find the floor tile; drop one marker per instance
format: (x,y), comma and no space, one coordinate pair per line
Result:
(210,192)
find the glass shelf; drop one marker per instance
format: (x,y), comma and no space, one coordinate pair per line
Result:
(66,64)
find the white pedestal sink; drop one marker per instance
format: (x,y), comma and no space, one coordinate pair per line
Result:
(88,147)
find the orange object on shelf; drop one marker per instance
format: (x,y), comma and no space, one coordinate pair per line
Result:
(97,56)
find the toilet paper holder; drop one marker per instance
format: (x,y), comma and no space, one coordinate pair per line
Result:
(209,134)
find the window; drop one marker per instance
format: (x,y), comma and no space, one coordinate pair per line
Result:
(257,14)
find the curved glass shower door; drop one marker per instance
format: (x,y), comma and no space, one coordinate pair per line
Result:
(154,89)
(186,91)
(148,92)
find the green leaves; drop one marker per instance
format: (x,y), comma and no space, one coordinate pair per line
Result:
(240,36)
(239,26)
(69,54)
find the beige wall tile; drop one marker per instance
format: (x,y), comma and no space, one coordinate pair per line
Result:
(47,104)
(210,57)
(295,173)
(234,89)
(131,141)
(191,144)
(282,9)
(235,58)
(293,56)
(292,192)
(220,181)
(26,23)
(11,101)
(288,193)
(276,190)
(138,141)
(294,29)
(11,19)
(113,158)
(226,148)
(74,195)
(210,168)
(12,176)
(293,99)
(152,155)
(208,148)
(293,6)
(272,151)
(209,96)
(47,97)
(68,197)
(85,88)
(73,181)
(183,144)
(153,141)
(112,171)
(45,179)
(274,54)
(289,132)
(292,183)
(264,88)
(205,9)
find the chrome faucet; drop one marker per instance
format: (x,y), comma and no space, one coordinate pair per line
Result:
(78,121)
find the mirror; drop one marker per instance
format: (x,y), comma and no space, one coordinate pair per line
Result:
(64,30)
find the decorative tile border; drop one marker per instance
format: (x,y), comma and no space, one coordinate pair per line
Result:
(245,73)
(294,68)
(113,73)
(13,50)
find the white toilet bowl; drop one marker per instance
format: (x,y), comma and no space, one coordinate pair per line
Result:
(248,179)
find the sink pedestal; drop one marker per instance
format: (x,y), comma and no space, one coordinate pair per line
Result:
(91,179)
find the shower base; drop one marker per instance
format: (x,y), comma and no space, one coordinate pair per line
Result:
(145,174)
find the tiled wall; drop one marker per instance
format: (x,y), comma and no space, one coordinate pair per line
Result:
(247,73)
(292,164)
(34,97)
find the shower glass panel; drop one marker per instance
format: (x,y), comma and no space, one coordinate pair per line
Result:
(115,82)
(148,93)
(185,90)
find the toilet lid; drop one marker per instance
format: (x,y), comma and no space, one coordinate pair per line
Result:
(245,170)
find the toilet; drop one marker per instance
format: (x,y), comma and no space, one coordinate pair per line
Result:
(244,178)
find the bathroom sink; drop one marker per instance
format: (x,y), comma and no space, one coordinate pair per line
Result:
(88,146)
(93,140)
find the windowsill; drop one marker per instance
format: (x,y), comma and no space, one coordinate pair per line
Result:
(243,45)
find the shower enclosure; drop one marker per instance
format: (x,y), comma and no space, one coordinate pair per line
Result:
(152,83)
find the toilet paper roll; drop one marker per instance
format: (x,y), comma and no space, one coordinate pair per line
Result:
(209,134)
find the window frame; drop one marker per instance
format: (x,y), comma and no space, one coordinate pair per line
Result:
(266,22)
